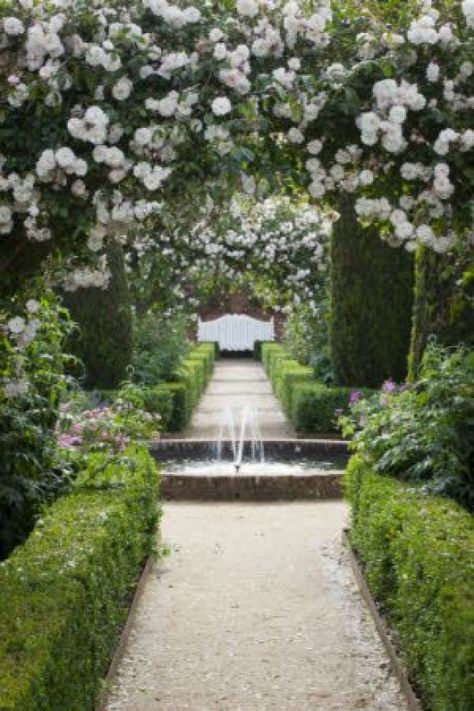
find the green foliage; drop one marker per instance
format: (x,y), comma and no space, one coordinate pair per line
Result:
(31,471)
(307,339)
(418,554)
(160,345)
(371,304)
(65,591)
(424,433)
(444,294)
(287,374)
(315,407)
(192,377)
(180,410)
(257,349)
(104,340)
(312,406)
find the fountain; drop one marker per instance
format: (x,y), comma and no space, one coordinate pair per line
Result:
(238,468)
(238,436)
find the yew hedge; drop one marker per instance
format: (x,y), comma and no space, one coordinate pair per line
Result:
(65,591)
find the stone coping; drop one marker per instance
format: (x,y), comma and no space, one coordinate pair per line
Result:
(281,449)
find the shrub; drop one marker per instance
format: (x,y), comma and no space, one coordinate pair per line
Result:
(286,374)
(315,407)
(444,291)
(192,377)
(179,414)
(104,340)
(418,554)
(32,380)
(257,349)
(270,353)
(312,406)
(425,432)
(371,304)
(64,592)
(161,343)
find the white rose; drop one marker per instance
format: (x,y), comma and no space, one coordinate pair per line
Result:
(13,26)
(247,8)
(122,89)
(32,306)
(221,106)
(16,325)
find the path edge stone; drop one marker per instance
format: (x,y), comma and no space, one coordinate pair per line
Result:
(103,696)
(381,626)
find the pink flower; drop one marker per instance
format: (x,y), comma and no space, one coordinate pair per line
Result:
(355,397)
(389,386)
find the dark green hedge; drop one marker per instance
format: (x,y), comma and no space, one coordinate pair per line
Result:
(418,554)
(104,340)
(444,292)
(371,304)
(65,591)
(310,405)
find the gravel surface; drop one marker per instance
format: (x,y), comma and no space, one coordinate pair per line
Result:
(235,384)
(255,609)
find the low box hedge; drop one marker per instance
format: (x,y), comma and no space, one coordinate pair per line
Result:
(314,406)
(311,406)
(65,591)
(418,554)
(193,376)
(257,349)
(287,373)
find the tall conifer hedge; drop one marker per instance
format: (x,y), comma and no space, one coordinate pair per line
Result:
(371,304)
(104,341)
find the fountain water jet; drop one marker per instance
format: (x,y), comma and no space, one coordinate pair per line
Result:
(248,432)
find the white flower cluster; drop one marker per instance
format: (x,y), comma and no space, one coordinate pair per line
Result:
(88,277)
(172,14)
(91,128)
(53,165)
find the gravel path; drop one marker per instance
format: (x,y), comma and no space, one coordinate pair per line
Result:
(235,384)
(255,609)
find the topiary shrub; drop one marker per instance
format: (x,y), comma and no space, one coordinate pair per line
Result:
(371,304)
(418,553)
(104,341)
(65,591)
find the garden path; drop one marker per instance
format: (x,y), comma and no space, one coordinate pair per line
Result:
(236,383)
(255,609)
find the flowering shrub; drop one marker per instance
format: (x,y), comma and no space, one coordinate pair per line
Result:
(32,381)
(109,428)
(423,432)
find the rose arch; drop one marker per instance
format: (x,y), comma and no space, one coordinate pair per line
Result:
(115,116)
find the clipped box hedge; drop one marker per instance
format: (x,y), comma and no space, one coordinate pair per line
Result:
(193,376)
(418,554)
(287,373)
(311,406)
(65,591)
(314,406)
